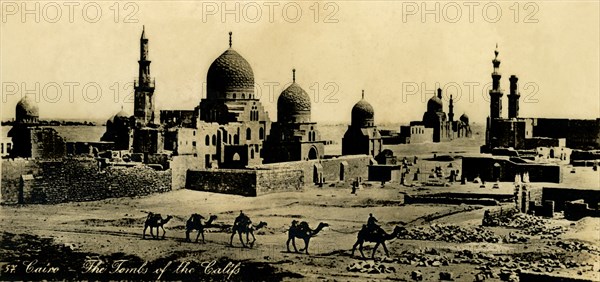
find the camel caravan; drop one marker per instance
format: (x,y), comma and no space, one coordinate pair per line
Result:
(243,226)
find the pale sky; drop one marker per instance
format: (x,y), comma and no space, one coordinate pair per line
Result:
(374,45)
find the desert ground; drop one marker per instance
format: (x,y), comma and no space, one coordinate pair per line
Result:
(103,239)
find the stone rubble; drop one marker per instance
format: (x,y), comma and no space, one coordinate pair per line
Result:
(370,267)
(451,233)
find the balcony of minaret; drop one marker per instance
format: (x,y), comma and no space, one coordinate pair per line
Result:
(144,83)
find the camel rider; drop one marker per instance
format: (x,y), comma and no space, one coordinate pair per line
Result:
(372,223)
(241,220)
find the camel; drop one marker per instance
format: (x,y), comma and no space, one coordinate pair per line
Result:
(194,223)
(248,229)
(379,238)
(302,231)
(155,220)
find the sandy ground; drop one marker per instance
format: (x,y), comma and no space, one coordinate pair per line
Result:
(115,226)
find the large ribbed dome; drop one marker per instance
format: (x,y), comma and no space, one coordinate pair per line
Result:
(435,104)
(26,110)
(293,105)
(230,76)
(363,114)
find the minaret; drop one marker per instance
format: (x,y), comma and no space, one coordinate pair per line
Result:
(144,87)
(451,109)
(496,93)
(513,97)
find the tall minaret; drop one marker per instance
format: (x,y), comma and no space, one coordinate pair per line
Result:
(513,97)
(451,109)
(144,87)
(496,93)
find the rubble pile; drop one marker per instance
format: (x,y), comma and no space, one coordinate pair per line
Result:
(572,246)
(451,233)
(429,257)
(370,267)
(514,238)
(528,224)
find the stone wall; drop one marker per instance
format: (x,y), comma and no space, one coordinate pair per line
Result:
(180,166)
(485,167)
(245,182)
(226,181)
(75,180)
(329,170)
(269,181)
(562,195)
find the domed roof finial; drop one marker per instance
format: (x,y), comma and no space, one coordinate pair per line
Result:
(363,94)
(230,33)
(294,75)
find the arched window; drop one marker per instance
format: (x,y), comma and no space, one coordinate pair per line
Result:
(261,133)
(252,153)
(243,96)
(248,134)
(207,141)
(234,95)
(214,139)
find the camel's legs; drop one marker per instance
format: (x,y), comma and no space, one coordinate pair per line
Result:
(360,248)
(294,244)
(385,249)
(202,236)
(198,235)
(306,241)
(287,243)
(242,241)
(358,242)
(232,234)
(144,234)
(163,229)
(187,235)
(151,234)
(375,250)
(253,238)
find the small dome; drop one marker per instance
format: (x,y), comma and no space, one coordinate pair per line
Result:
(229,73)
(28,107)
(292,102)
(363,114)
(464,118)
(120,115)
(26,110)
(435,104)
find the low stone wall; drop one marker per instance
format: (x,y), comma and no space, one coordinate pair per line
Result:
(179,168)
(328,170)
(76,180)
(245,182)
(485,167)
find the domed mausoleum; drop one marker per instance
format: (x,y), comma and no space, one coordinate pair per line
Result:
(294,137)
(362,137)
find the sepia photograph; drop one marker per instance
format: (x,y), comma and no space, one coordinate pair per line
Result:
(307,140)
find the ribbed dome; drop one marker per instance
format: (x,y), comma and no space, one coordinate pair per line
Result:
(363,114)
(435,104)
(230,74)
(292,103)
(464,118)
(28,107)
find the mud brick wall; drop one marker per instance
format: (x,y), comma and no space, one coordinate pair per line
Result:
(226,181)
(80,179)
(179,167)
(269,181)
(357,166)
(11,178)
(562,195)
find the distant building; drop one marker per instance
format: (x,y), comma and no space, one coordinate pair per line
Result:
(29,140)
(294,137)
(531,133)
(362,136)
